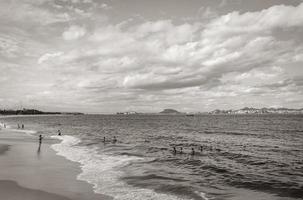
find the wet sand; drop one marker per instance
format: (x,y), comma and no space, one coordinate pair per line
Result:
(12,191)
(3,148)
(32,171)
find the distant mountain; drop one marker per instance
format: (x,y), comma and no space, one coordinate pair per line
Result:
(32,112)
(169,111)
(248,110)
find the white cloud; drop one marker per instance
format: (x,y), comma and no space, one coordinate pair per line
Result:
(8,46)
(204,51)
(234,23)
(105,6)
(30,13)
(74,32)
(48,56)
(222,60)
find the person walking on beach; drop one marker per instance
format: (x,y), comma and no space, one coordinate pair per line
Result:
(59,132)
(22,126)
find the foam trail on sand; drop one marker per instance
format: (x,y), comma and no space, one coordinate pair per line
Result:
(103,171)
(27,132)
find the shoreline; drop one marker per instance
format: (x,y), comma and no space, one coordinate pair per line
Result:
(37,171)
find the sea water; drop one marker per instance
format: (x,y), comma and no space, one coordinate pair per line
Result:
(242,157)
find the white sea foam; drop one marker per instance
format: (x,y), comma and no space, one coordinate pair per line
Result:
(103,171)
(27,132)
(2,125)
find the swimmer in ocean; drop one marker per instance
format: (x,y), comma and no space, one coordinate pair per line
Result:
(174,150)
(114,140)
(192,151)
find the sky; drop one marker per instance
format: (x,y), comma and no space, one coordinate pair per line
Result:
(112,56)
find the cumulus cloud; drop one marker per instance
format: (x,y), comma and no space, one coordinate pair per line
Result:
(105,6)
(229,43)
(216,60)
(30,13)
(74,32)
(48,56)
(235,23)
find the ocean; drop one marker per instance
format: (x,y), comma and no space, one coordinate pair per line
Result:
(242,156)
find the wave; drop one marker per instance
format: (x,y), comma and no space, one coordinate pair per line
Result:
(104,171)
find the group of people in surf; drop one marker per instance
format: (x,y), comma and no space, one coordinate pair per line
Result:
(193,152)
(41,137)
(3,125)
(114,141)
(21,127)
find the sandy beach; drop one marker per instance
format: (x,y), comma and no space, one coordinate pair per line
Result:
(30,171)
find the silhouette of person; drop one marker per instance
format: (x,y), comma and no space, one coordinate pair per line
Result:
(18,126)
(181,150)
(174,150)
(201,148)
(192,151)
(40,139)
(104,140)
(22,126)
(114,140)
(59,132)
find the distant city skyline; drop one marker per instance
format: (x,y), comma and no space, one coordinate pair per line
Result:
(136,55)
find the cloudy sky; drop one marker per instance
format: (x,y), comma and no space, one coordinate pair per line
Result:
(121,55)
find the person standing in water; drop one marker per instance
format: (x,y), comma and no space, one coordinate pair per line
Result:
(114,140)
(40,139)
(181,150)
(174,150)
(192,151)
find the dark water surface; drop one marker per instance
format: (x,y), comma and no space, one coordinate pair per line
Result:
(243,157)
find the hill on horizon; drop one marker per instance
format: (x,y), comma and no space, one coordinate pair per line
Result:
(169,111)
